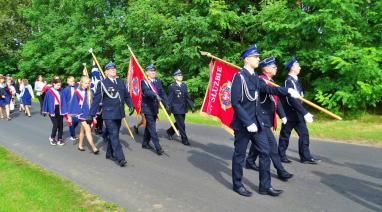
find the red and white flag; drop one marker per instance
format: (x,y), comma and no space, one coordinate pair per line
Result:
(217,101)
(135,76)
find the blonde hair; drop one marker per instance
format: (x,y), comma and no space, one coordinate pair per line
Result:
(90,96)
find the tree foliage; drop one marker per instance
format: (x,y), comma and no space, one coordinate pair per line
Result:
(338,43)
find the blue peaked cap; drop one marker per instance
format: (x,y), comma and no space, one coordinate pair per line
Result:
(267,62)
(150,67)
(290,63)
(177,72)
(110,65)
(251,51)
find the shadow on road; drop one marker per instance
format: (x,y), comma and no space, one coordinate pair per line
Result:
(367,194)
(216,167)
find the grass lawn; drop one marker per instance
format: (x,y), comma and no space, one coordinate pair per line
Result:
(28,187)
(363,130)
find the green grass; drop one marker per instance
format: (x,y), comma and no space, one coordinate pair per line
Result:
(366,129)
(27,187)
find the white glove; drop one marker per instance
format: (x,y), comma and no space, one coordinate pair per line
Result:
(284,120)
(293,93)
(252,128)
(308,118)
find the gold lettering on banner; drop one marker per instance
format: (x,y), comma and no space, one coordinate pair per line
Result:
(214,91)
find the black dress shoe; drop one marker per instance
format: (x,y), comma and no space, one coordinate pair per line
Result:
(284,176)
(146,146)
(251,166)
(286,160)
(169,136)
(310,161)
(110,158)
(186,143)
(136,130)
(122,163)
(270,191)
(160,151)
(243,192)
(81,149)
(96,152)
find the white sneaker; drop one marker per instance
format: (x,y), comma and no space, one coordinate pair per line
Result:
(52,141)
(73,138)
(61,142)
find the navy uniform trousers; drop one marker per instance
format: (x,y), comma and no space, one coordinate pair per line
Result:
(274,154)
(114,147)
(295,113)
(180,125)
(151,132)
(261,144)
(150,107)
(303,139)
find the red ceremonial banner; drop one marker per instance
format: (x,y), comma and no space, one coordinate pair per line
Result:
(217,101)
(134,82)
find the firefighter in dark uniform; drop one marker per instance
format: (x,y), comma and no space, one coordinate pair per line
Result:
(112,94)
(269,106)
(297,117)
(152,94)
(179,101)
(247,122)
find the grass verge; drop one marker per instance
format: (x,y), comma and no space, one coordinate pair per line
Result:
(27,187)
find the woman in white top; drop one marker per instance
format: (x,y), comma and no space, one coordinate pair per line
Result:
(39,84)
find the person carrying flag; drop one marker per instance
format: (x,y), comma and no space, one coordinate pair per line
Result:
(152,94)
(96,78)
(297,116)
(248,124)
(270,105)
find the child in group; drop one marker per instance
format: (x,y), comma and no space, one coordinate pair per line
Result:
(55,106)
(9,91)
(3,95)
(68,93)
(27,96)
(18,95)
(79,107)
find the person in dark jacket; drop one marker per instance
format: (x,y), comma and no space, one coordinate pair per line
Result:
(152,94)
(113,95)
(179,101)
(270,105)
(297,117)
(247,122)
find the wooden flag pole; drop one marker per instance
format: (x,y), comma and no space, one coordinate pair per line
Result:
(99,67)
(161,104)
(274,84)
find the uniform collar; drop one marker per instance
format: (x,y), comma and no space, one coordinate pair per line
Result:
(294,77)
(251,71)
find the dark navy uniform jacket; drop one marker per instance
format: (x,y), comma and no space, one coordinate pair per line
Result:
(294,109)
(113,108)
(267,106)
(150,104)
(179,99)
(248,112)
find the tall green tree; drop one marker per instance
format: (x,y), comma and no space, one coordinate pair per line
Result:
(337,43)
(14,33)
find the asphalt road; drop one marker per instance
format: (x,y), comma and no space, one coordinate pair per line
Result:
(198,178)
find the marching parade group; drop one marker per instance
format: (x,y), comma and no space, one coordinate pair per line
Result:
(256,102)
